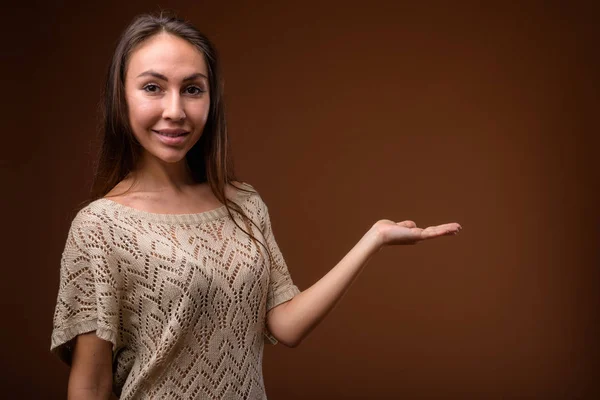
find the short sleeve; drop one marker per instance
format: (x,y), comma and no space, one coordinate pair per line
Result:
(281,287)
(86,298)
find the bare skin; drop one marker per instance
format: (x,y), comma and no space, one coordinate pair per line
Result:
(292,321)
(91,368)
(191,198)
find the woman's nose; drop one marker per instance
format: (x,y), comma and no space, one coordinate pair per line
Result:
(173,108)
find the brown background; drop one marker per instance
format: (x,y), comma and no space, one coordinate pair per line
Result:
(341,114)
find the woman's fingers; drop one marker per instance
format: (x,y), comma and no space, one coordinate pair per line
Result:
(407,224)
(445,229)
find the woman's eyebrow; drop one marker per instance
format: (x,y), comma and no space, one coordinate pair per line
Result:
(164,78)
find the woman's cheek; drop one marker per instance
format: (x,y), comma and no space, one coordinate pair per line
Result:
(145,111)
(205,111)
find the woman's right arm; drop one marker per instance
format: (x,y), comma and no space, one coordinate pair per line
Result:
(91,368)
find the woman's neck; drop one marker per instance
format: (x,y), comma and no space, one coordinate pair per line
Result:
(153,175)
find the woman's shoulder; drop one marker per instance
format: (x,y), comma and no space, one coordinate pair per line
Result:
(89,227)
(251,201)
(247,191)
(91,214)
(238,187)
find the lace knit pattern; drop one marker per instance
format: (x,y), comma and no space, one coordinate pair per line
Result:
(182,298)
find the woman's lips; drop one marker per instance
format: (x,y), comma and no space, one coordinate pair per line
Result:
(171,137)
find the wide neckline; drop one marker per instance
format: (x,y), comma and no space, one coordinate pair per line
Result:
(193,218)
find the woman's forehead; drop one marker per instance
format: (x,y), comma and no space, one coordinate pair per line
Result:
(168,55)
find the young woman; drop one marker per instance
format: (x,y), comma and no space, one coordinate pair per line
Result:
(171,279)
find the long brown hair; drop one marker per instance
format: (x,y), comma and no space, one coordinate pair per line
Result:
(209,159)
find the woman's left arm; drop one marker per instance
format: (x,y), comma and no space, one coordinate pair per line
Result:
(292,321)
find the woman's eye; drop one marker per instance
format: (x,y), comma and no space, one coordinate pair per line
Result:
(194,90)
(151,88)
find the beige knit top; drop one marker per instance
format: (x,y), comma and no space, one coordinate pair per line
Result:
(182,298)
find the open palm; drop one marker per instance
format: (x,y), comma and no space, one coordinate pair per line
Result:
(406,232)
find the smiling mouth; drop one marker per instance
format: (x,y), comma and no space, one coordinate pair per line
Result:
(172,135)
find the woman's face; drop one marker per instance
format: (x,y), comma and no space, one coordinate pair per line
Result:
(166,88)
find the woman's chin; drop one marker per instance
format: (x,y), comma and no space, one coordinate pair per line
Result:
(173,160)
(171,157)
